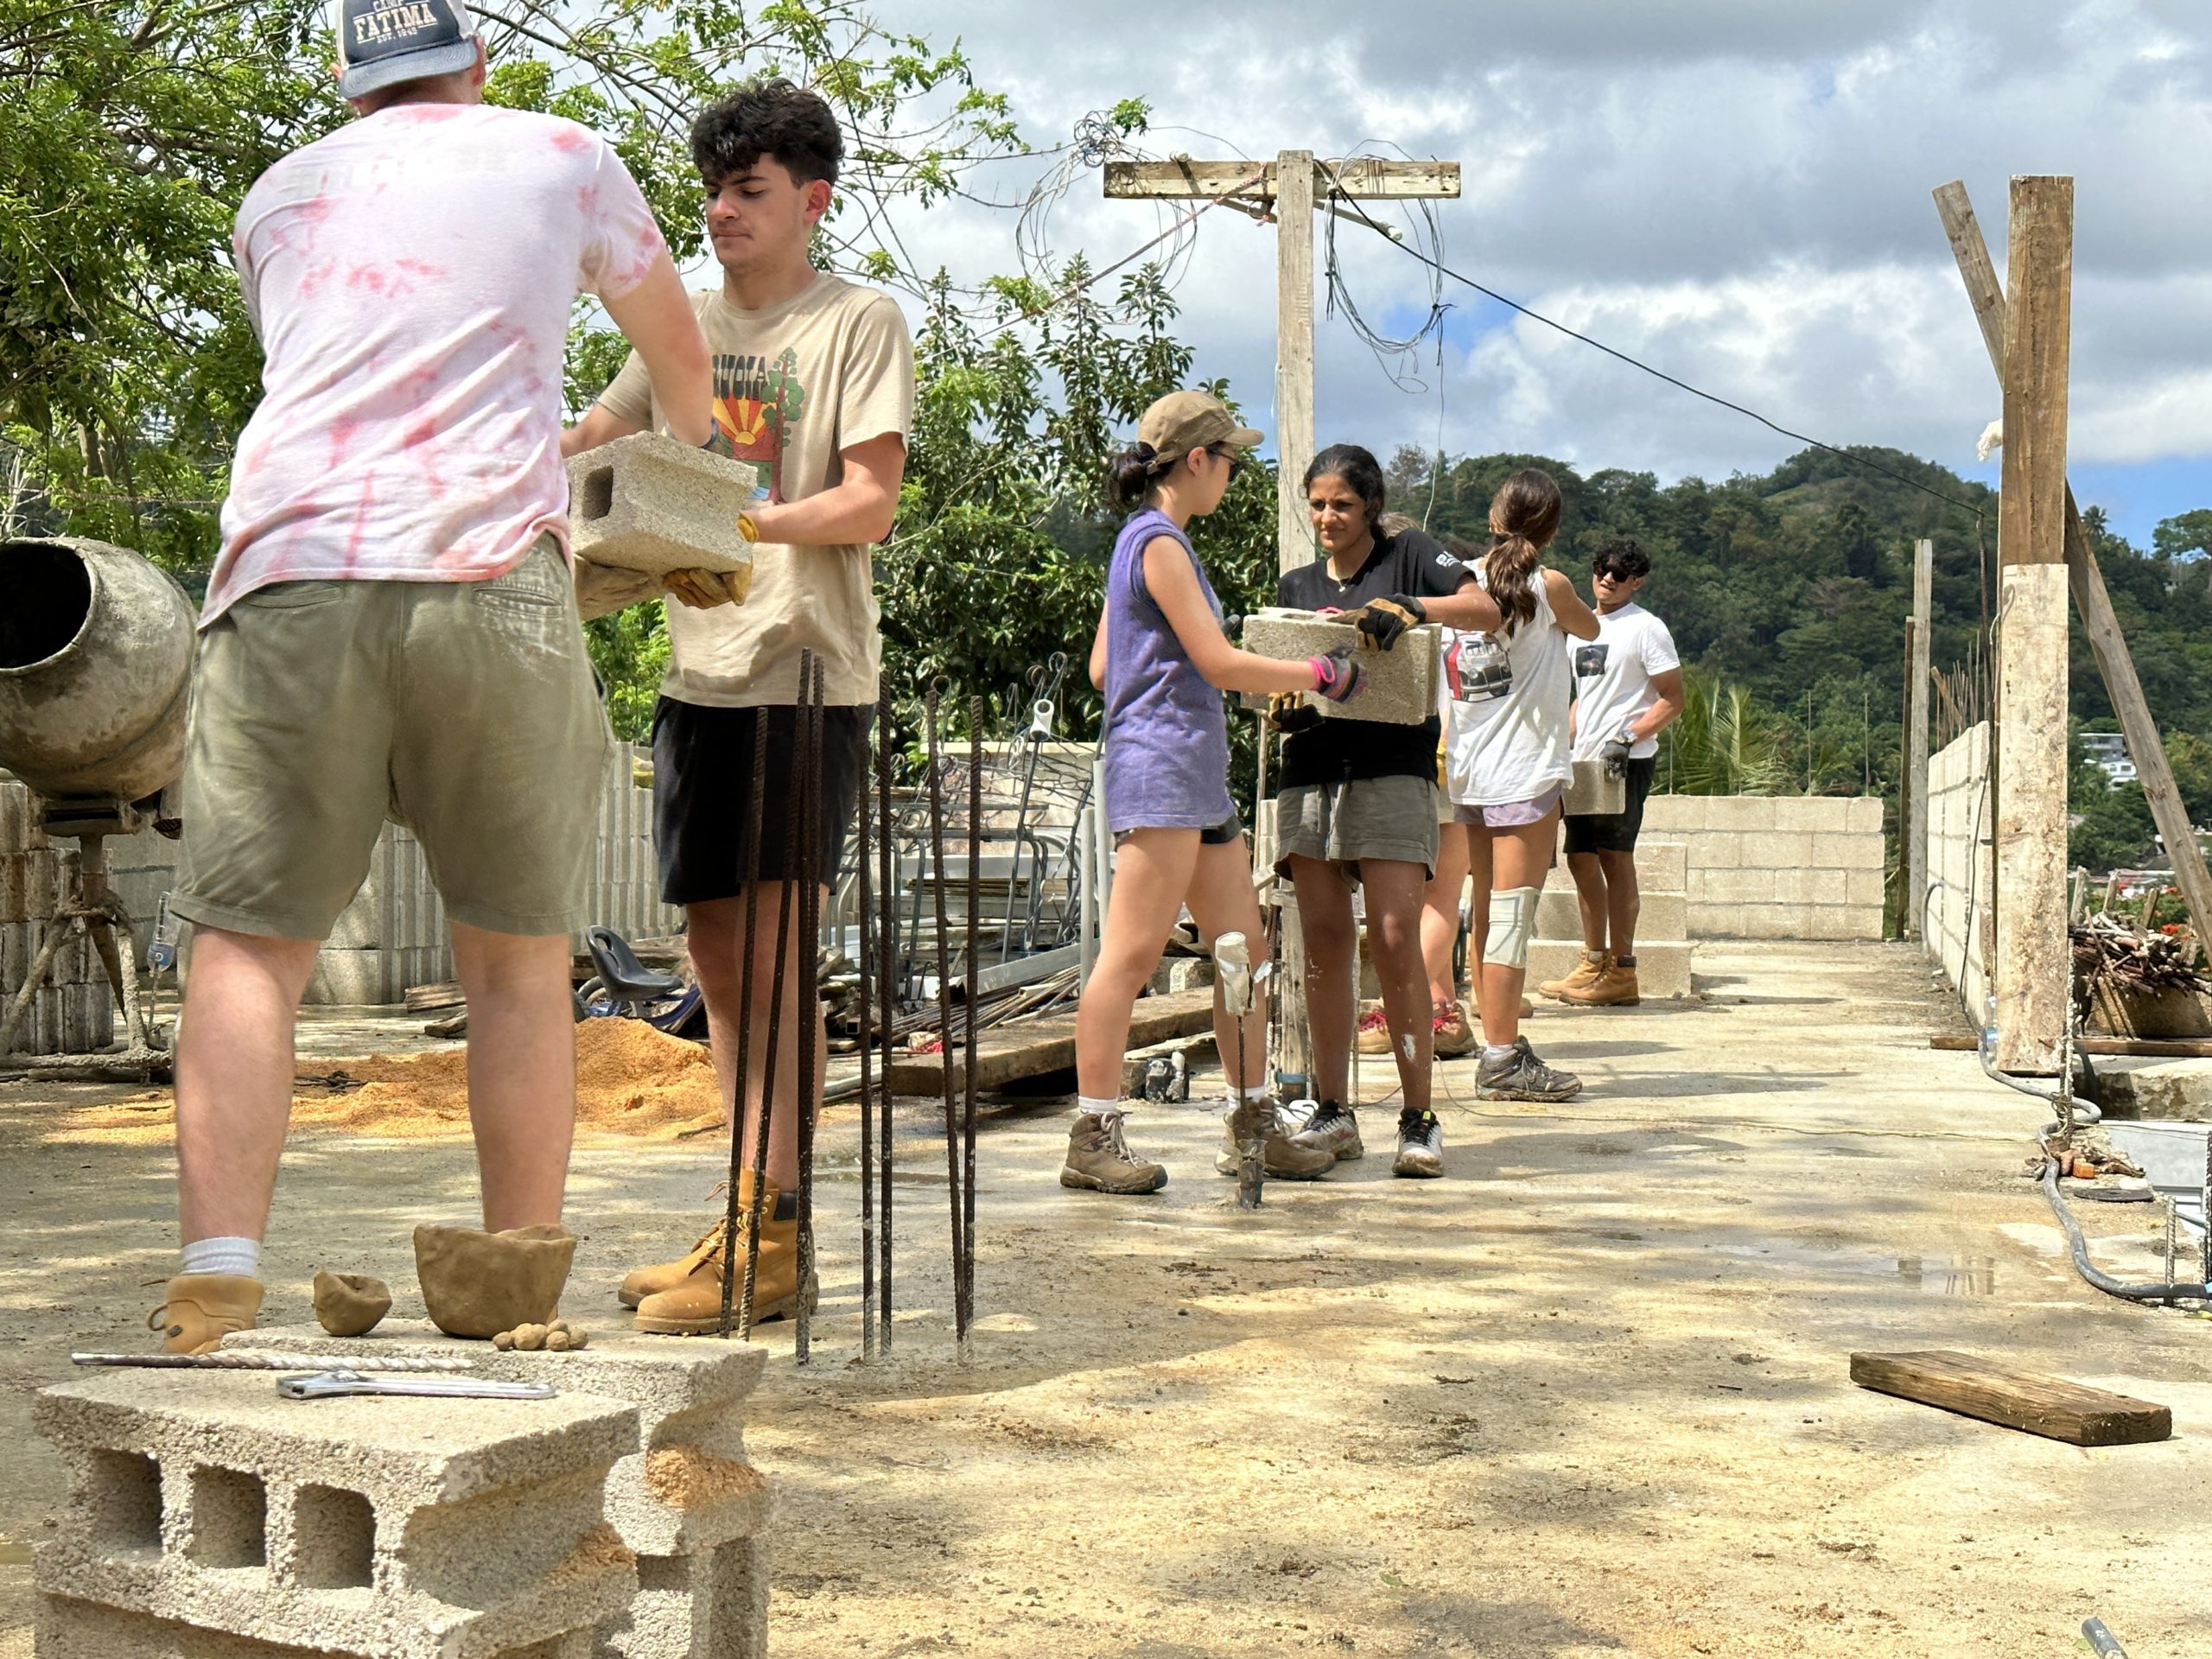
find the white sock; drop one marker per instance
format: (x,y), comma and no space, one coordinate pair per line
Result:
(241,1257)
(1491,1052)
(1256,1092)
(1104,1107)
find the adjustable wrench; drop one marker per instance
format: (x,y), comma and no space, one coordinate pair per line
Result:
(330,1385)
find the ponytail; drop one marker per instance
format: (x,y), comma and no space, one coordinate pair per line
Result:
(1129,476)
(1523,518)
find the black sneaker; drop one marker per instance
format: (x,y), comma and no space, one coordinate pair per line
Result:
(1420,1144)
(1522,1075)
(1334,1129)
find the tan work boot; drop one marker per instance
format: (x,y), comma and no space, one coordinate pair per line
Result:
(1615,989)
(202,1309)
(642,1282)
(1373,1034)
(693,1306)
(1282,1159)
(1454,1033)
(1099,1158)
(1586,973)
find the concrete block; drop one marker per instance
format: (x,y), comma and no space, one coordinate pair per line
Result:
(1844,922)
(1726,886)
(1662,968)
(711,1604)
(649,503)
(1779,922)
(1661,915)
(69,1628)
(687,1484)
(1811,887)
(1866,815)
(1716,921)
(1672,814)
(1662,866)
(1847,852)
(2177,1090)
(409,1528)
(1397,686)
(1714,849)
(1867,888)
(1812,814)
(1739,812)
(1776,849)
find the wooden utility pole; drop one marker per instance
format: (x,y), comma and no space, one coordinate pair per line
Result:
(2090,600)
(2034,977)
(1915,827)
(1285,190)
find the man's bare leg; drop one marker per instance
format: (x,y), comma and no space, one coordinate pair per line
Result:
(715,932)
(1590,871)
(1624,902)
(521,1070)
(234,1079)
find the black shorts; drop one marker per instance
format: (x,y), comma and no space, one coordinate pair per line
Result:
(703,769)
(1227,833)
(1615,832)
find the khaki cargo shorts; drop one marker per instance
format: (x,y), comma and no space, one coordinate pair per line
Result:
(463,710)
(1367,817)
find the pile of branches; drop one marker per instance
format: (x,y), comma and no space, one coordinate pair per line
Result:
(2113,955)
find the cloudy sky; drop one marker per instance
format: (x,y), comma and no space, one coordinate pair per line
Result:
(1734,190)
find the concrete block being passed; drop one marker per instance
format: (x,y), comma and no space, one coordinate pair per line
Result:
(207,1515)
(1662,967)
(1397,686)
(650,502)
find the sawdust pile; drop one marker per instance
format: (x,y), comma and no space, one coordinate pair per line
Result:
(632,1081)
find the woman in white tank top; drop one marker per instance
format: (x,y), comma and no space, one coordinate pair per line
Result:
(1506,697)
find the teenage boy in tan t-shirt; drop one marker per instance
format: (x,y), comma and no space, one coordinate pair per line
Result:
(814,384)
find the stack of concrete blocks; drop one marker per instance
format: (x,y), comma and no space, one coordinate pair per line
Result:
(1778,866)
(1663,950)
(1397,686)
(72,1012)
(683,1496)
(649,503)
(209,1519)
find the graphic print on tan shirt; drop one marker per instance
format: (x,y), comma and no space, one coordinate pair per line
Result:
(795,385)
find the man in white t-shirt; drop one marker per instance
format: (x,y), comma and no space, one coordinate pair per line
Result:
(1628,687)
(390,627)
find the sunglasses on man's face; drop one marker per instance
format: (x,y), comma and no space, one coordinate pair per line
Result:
(1610,575)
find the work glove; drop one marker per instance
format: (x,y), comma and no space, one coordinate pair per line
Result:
(704,589)
(1383,622)
(1614,753)
(1336,677)
(603,589)
(1289,713)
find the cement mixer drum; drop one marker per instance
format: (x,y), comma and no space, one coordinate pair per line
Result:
(95,665)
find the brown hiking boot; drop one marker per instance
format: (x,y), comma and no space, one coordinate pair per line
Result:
(1615,989)
(202,1309)
(1373,1034)
(1455,1034)
(1282,1159)
(665,1275)
(693,1306)
(1099,1158)
(1586,973)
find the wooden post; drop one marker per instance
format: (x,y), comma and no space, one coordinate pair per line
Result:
(2033,961)
(1293,354)
(1916,735)
(2090,600)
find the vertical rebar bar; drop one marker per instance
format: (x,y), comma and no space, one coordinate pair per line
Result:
(751,876)
(887,995)
(964,1296)
(809,875)
(865,893)
(944,986)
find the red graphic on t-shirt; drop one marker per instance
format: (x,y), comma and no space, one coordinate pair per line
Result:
(757,403)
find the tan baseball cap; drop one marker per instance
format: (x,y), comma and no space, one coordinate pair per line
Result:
(1184,420)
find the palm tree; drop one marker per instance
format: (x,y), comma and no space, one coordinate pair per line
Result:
(1724,744)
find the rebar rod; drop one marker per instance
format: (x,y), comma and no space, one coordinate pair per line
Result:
(886,995)
(809,996)
(944,986)
(751,874)
(963,1306)
(865,899)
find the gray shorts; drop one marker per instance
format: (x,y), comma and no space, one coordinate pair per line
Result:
(1367,817)
(464,709)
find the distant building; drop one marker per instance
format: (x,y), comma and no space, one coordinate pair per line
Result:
(2108,751)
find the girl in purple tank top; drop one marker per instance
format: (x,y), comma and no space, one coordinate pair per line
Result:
(1163,662)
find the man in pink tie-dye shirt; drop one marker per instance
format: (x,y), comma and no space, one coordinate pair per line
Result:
(391,628)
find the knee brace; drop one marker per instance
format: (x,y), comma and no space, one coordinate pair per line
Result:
(1512,919)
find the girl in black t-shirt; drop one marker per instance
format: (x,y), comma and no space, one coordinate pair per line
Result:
(1357,802)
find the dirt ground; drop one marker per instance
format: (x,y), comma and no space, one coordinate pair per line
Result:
(1586,1396)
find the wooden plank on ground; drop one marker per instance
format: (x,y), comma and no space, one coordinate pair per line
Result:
(427,999)
(2048,1406)
(1030,1048)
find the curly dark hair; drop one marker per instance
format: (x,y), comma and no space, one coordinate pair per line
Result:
(771,118)
(1623,556)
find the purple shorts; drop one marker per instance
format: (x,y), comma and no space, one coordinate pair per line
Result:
(1510,815)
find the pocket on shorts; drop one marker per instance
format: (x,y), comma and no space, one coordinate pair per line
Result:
(292,595)
(539,584)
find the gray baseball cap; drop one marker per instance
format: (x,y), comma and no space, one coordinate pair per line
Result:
(383,42)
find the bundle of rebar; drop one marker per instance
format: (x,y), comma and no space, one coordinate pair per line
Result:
(2112,953)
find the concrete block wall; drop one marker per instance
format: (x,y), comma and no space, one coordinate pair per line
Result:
(1957,921)
(1779,867)
(73,1013)
(1665,958)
